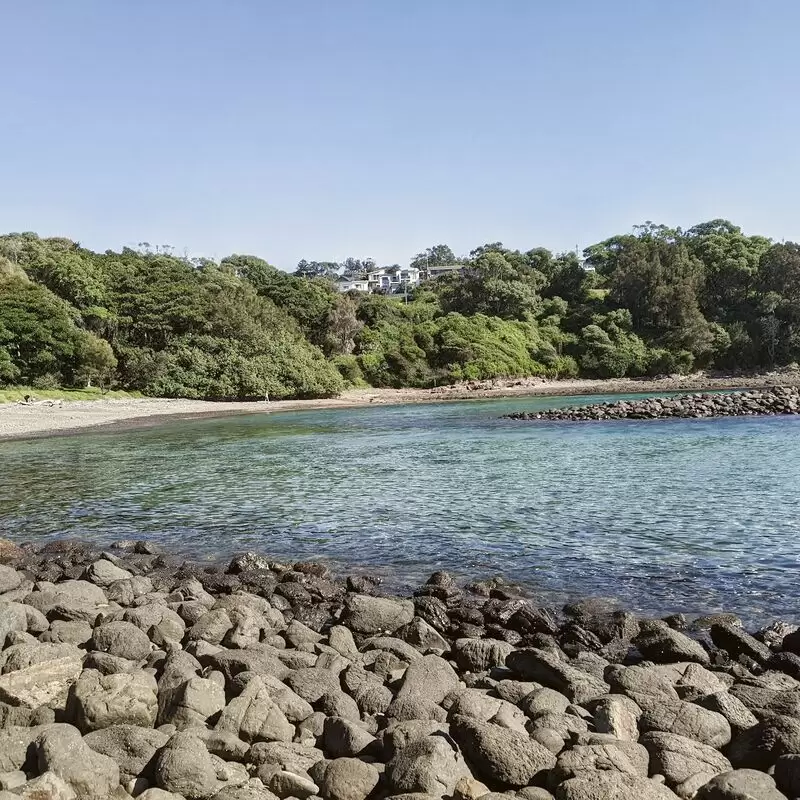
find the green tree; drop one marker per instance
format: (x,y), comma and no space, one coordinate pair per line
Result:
(356,267)
(731,262)
(96,361)
(343,326)
(495,283)
(440,255)
(317,269)
(39,332)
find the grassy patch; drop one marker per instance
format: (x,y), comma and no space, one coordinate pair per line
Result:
(13,393)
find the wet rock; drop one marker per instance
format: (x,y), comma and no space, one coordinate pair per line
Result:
(785,662)
(738,642)
(433,611)
(10,552)
(773,634)
(247,562)
(667,645)
(791,642)
(778,400)
(371,615)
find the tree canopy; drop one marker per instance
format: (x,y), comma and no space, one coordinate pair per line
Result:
(650,301)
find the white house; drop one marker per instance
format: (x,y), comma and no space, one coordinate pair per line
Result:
(353,285)
(385,279)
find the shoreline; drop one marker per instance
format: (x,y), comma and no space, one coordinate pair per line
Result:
(137,674)
(21,422)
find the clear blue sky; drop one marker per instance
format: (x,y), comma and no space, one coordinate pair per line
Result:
(325,128)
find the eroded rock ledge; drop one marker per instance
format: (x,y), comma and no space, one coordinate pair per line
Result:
(128,674)
(780,400)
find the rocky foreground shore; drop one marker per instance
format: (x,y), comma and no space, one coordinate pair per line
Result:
(780,400)
(127,674)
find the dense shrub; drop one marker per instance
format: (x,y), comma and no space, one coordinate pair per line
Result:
(657,300)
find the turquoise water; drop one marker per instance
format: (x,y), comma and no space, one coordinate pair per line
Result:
(670,515)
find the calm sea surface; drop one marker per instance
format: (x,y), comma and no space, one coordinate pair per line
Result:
(691,516)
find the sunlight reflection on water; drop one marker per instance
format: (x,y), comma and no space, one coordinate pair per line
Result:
(666,515)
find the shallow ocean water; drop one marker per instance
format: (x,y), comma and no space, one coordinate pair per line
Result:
(673,515)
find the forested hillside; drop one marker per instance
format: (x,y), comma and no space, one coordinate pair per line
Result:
(655,301)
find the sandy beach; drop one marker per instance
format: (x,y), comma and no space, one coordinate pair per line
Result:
(19,421)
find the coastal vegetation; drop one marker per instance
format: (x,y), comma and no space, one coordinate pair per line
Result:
(654,301)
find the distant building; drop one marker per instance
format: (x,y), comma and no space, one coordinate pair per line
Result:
(353,284)
(385,279)
(431,273)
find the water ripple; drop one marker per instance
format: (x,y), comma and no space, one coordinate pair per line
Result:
(691,515)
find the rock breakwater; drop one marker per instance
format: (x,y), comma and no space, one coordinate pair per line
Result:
(780,400)
(127,674)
